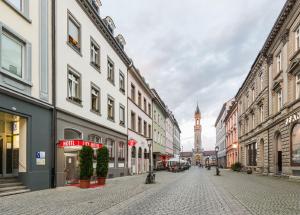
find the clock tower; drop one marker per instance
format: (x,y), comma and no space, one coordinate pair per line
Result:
(197,151)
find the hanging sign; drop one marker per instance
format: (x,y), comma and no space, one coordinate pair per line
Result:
(131,142)
(70,143)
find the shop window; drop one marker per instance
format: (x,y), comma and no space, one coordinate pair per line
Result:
(140,153)
(251,154)
(74,31)
(95,138)
(72,134)
(146,155)
(133,152)
(295,150)
(121,151)
(110,146)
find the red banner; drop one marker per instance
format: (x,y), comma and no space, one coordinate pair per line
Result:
(131,142)
(67,143)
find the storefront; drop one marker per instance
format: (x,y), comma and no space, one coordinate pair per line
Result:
(71,149)
(70,128)
(26,141)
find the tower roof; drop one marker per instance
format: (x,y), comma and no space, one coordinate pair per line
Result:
(197,109)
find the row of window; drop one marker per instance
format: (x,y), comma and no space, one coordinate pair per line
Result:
(74,40)
(146,106)
(74,94)
(142,128)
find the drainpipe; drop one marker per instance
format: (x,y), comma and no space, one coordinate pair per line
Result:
(54,129)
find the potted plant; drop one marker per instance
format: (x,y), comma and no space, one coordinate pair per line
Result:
(236,167)
(102,164)
(86,166)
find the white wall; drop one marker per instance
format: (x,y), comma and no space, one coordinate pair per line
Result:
(65,55)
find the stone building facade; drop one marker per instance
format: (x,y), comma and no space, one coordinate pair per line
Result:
(268,101)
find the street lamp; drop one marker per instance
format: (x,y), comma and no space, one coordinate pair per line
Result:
(150,177)
(217,165)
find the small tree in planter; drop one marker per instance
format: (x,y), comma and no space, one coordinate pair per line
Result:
(86,166)
(102,164)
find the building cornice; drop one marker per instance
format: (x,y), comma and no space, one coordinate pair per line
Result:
(98,22)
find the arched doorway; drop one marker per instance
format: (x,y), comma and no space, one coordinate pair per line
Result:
(133,160)
(262,154)
(278,154)
(140,160)
(146,160)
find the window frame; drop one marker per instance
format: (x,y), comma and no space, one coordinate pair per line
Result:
(122,107)
(77,49)
(112,78)
(93,64)
(132,92)
(279,100)
(279,62)
(292,143)
(95,87)
(133,121)
(122,88)
(76,73)
(140,126)
(297,87)
(24,12)
(110,98)
(297,38)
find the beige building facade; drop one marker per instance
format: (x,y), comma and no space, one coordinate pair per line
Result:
(268,101)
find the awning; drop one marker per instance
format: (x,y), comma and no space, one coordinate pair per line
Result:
(77,144)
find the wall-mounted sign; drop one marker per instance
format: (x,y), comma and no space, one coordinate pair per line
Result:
(70,143)
(40,158)
(131,142)
(292,118)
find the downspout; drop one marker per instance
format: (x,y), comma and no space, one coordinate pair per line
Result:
(54,129)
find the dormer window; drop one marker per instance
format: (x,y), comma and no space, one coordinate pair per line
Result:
(121,41)
(96,4)
(110,24)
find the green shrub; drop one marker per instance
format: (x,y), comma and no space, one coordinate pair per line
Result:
(102,162)
(236,166)
(86,163)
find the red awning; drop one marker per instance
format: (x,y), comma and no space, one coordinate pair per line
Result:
(78,143)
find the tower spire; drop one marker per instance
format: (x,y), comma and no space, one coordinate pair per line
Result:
(197,109)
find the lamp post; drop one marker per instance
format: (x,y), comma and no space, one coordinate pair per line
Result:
(217,165)
(150,177)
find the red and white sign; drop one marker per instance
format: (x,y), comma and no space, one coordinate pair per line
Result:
(71,143)
(131,142)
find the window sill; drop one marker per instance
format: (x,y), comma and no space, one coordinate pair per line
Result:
(78,51)
(26,18)
(110,119)
(295,54)
(111,81)
(15,78)
(122,124)
(95,67)
(95,112)
(122,91)
(73,102)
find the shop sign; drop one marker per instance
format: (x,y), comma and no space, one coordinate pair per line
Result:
(292,118)
(70,143)
(40,158)
(131,142)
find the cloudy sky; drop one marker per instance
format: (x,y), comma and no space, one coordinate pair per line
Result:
(194,50)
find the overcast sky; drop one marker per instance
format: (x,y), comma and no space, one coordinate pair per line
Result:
(194,50)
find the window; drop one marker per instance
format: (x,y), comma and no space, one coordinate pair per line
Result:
(110,146)
(121,151)
(154,115)
(295,149)
(253,120)
(253,94)
(261,113)
(297,39)
(279,62)
(132,121)
(145,105)
(279,100)
(95,138)
(122,82)
(149,109)
(95,99)
(74,86)
(251,154)
(110,71)
(149,131)
(145,128)
(139,125)
(111,108)
(72,134)
(298,86)
(74,33)
(261,81)
(139,99)
(95,54)
(132,92)
(12,54)
(122,115)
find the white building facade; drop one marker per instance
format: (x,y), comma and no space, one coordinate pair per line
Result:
(91,85)
(169,134)
(140,121)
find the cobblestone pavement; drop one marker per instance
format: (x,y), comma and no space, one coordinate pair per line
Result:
(196,191)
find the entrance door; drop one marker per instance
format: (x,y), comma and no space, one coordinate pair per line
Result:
(279,156)
(71,169)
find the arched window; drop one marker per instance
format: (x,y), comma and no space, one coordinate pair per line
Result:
(110,146)
(133,152)
(121,151)
(295,150)
(145,154)
(140,153)
(72,134)
(95,138)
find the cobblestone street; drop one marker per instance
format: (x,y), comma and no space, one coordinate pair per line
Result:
(196,191)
